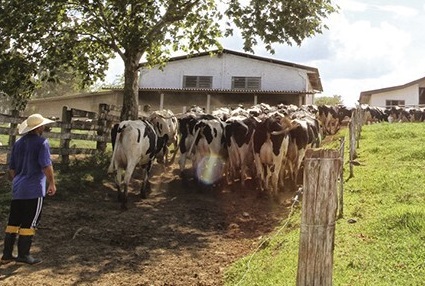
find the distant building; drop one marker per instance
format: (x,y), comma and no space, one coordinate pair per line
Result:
(411,94)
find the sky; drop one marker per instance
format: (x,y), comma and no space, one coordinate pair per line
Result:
(369,44)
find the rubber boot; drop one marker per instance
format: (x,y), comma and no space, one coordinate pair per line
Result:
(9,242)
(24,246)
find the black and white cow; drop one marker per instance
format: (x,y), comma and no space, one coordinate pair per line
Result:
(238,132)
(270,146)
(186,127)
(306,134)
(166,127)
(136,143)
(328,117)
(209,150)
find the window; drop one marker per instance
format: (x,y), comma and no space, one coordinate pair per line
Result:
(197,81)
(242,82)
(391,103)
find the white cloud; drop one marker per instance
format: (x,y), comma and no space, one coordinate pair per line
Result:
(355,6)
(361,49)
(397,10)
(116,68)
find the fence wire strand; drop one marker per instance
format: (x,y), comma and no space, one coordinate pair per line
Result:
(269,238)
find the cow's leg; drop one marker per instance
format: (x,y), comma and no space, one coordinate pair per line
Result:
(126,182)
(182,163)
(274,183)
(145,182)
(174,152)
(124,198)
(119,184)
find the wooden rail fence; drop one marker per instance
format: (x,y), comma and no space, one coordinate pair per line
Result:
(76,124)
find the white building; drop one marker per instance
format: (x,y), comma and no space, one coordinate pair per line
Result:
(411,94)
(228,78)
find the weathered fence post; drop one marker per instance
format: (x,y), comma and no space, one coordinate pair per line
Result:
(65,129)
(315,258)
(12,137)
(352,141)
(359,124)
(341,180)
(101,122)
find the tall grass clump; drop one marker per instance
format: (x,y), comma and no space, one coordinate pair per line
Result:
(380,240)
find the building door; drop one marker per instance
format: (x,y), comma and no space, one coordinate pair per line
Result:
(422,96)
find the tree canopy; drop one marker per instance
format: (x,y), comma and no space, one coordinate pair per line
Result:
(328,100)
(83,35)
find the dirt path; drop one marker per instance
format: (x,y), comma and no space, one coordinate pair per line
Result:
(178,236)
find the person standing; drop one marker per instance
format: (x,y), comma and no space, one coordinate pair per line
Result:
(31,171)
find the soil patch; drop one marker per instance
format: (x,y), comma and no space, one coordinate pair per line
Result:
(181,234)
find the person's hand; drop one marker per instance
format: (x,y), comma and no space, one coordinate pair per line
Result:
(51,190)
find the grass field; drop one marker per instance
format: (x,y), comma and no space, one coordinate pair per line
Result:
(386,198)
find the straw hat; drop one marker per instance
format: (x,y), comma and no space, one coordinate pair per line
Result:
(32,122)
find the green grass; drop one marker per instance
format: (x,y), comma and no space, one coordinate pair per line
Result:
(386,246)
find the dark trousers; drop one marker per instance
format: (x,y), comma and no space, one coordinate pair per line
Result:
(24,216)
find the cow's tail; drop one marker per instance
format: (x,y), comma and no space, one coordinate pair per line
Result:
(194,141)
(112,166)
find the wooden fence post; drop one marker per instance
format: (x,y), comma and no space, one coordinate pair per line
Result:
(359,124)
(315,258)
(12,137)
(341,180)
(65,129)
(101,122)
(353,145)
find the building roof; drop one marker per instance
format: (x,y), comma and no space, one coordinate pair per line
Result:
(215,90)
(365,95)
(313,73)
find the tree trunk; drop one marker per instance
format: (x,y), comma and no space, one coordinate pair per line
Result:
(130,110)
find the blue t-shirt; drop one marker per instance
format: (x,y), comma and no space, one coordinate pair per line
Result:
(30,155)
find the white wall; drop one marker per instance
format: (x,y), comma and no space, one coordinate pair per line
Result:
(408,94)
(222,68)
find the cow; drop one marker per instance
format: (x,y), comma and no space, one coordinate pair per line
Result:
(270,146)
(416,114)
(328,117)
(136,143)
(345,113)
(186,127)
(306,134)
(372,114)
(238,134)
(209,152)
(166,127)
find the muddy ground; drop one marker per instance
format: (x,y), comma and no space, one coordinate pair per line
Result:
(180,235)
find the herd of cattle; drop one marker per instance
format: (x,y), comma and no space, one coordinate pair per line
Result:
(265,143)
